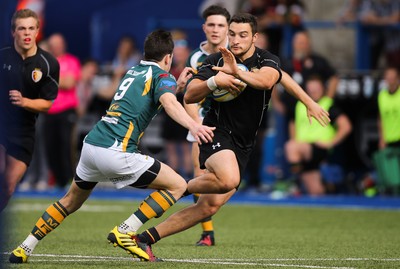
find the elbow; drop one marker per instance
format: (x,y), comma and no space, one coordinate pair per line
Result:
(268,85)
(47,107)
(188,98)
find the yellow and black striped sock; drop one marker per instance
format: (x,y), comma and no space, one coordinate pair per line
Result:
(207,225)
(51,219)
(149,236)
(154,205)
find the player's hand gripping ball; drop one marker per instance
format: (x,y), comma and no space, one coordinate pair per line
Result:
(223,95)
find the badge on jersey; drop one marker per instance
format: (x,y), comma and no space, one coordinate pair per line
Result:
(167,85)
(36,75)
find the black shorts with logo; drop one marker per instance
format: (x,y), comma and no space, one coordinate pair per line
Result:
(223,140)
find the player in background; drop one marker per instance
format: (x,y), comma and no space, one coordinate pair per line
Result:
(110,150)
(28,86)
(215,28)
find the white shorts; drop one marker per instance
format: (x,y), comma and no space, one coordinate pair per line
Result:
(99,164)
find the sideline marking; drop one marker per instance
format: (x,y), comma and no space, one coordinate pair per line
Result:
(239,262)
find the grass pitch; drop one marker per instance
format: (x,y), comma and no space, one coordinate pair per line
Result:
(247,236)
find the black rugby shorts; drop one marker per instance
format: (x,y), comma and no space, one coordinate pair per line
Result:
(223,140)
(20,148)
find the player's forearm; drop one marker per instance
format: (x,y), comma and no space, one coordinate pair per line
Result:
(176,111)
(263,79)
(196,91)
(36,105)
(294,89)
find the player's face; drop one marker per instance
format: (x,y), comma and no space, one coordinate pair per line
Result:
(241,39)
(216,30)
(25,34)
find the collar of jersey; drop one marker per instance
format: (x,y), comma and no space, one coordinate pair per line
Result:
(149,63)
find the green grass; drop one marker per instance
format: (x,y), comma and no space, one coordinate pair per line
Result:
(246,236)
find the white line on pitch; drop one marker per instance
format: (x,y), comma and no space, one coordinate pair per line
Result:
(257,264)
(250,262)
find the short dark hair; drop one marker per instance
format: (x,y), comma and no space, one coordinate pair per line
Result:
(245,18)
(23,14)
(158,44)
(216,10)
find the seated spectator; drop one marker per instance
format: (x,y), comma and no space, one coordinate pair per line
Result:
(384,37)
(303,63)
(310,144)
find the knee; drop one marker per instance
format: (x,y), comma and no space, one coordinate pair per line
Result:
(178,189)
(207,210)
(228,186)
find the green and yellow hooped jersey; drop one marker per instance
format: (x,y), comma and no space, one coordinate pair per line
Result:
(389,111)
(314,132)
(134,105)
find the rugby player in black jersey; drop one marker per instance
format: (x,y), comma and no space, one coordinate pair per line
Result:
(236,122)
(28,86)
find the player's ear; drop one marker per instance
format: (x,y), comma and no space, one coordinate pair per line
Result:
(168,59)
(255,37)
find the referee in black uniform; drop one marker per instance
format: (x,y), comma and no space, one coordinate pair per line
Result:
(28,85)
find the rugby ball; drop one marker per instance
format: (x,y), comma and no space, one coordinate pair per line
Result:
(223,95)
